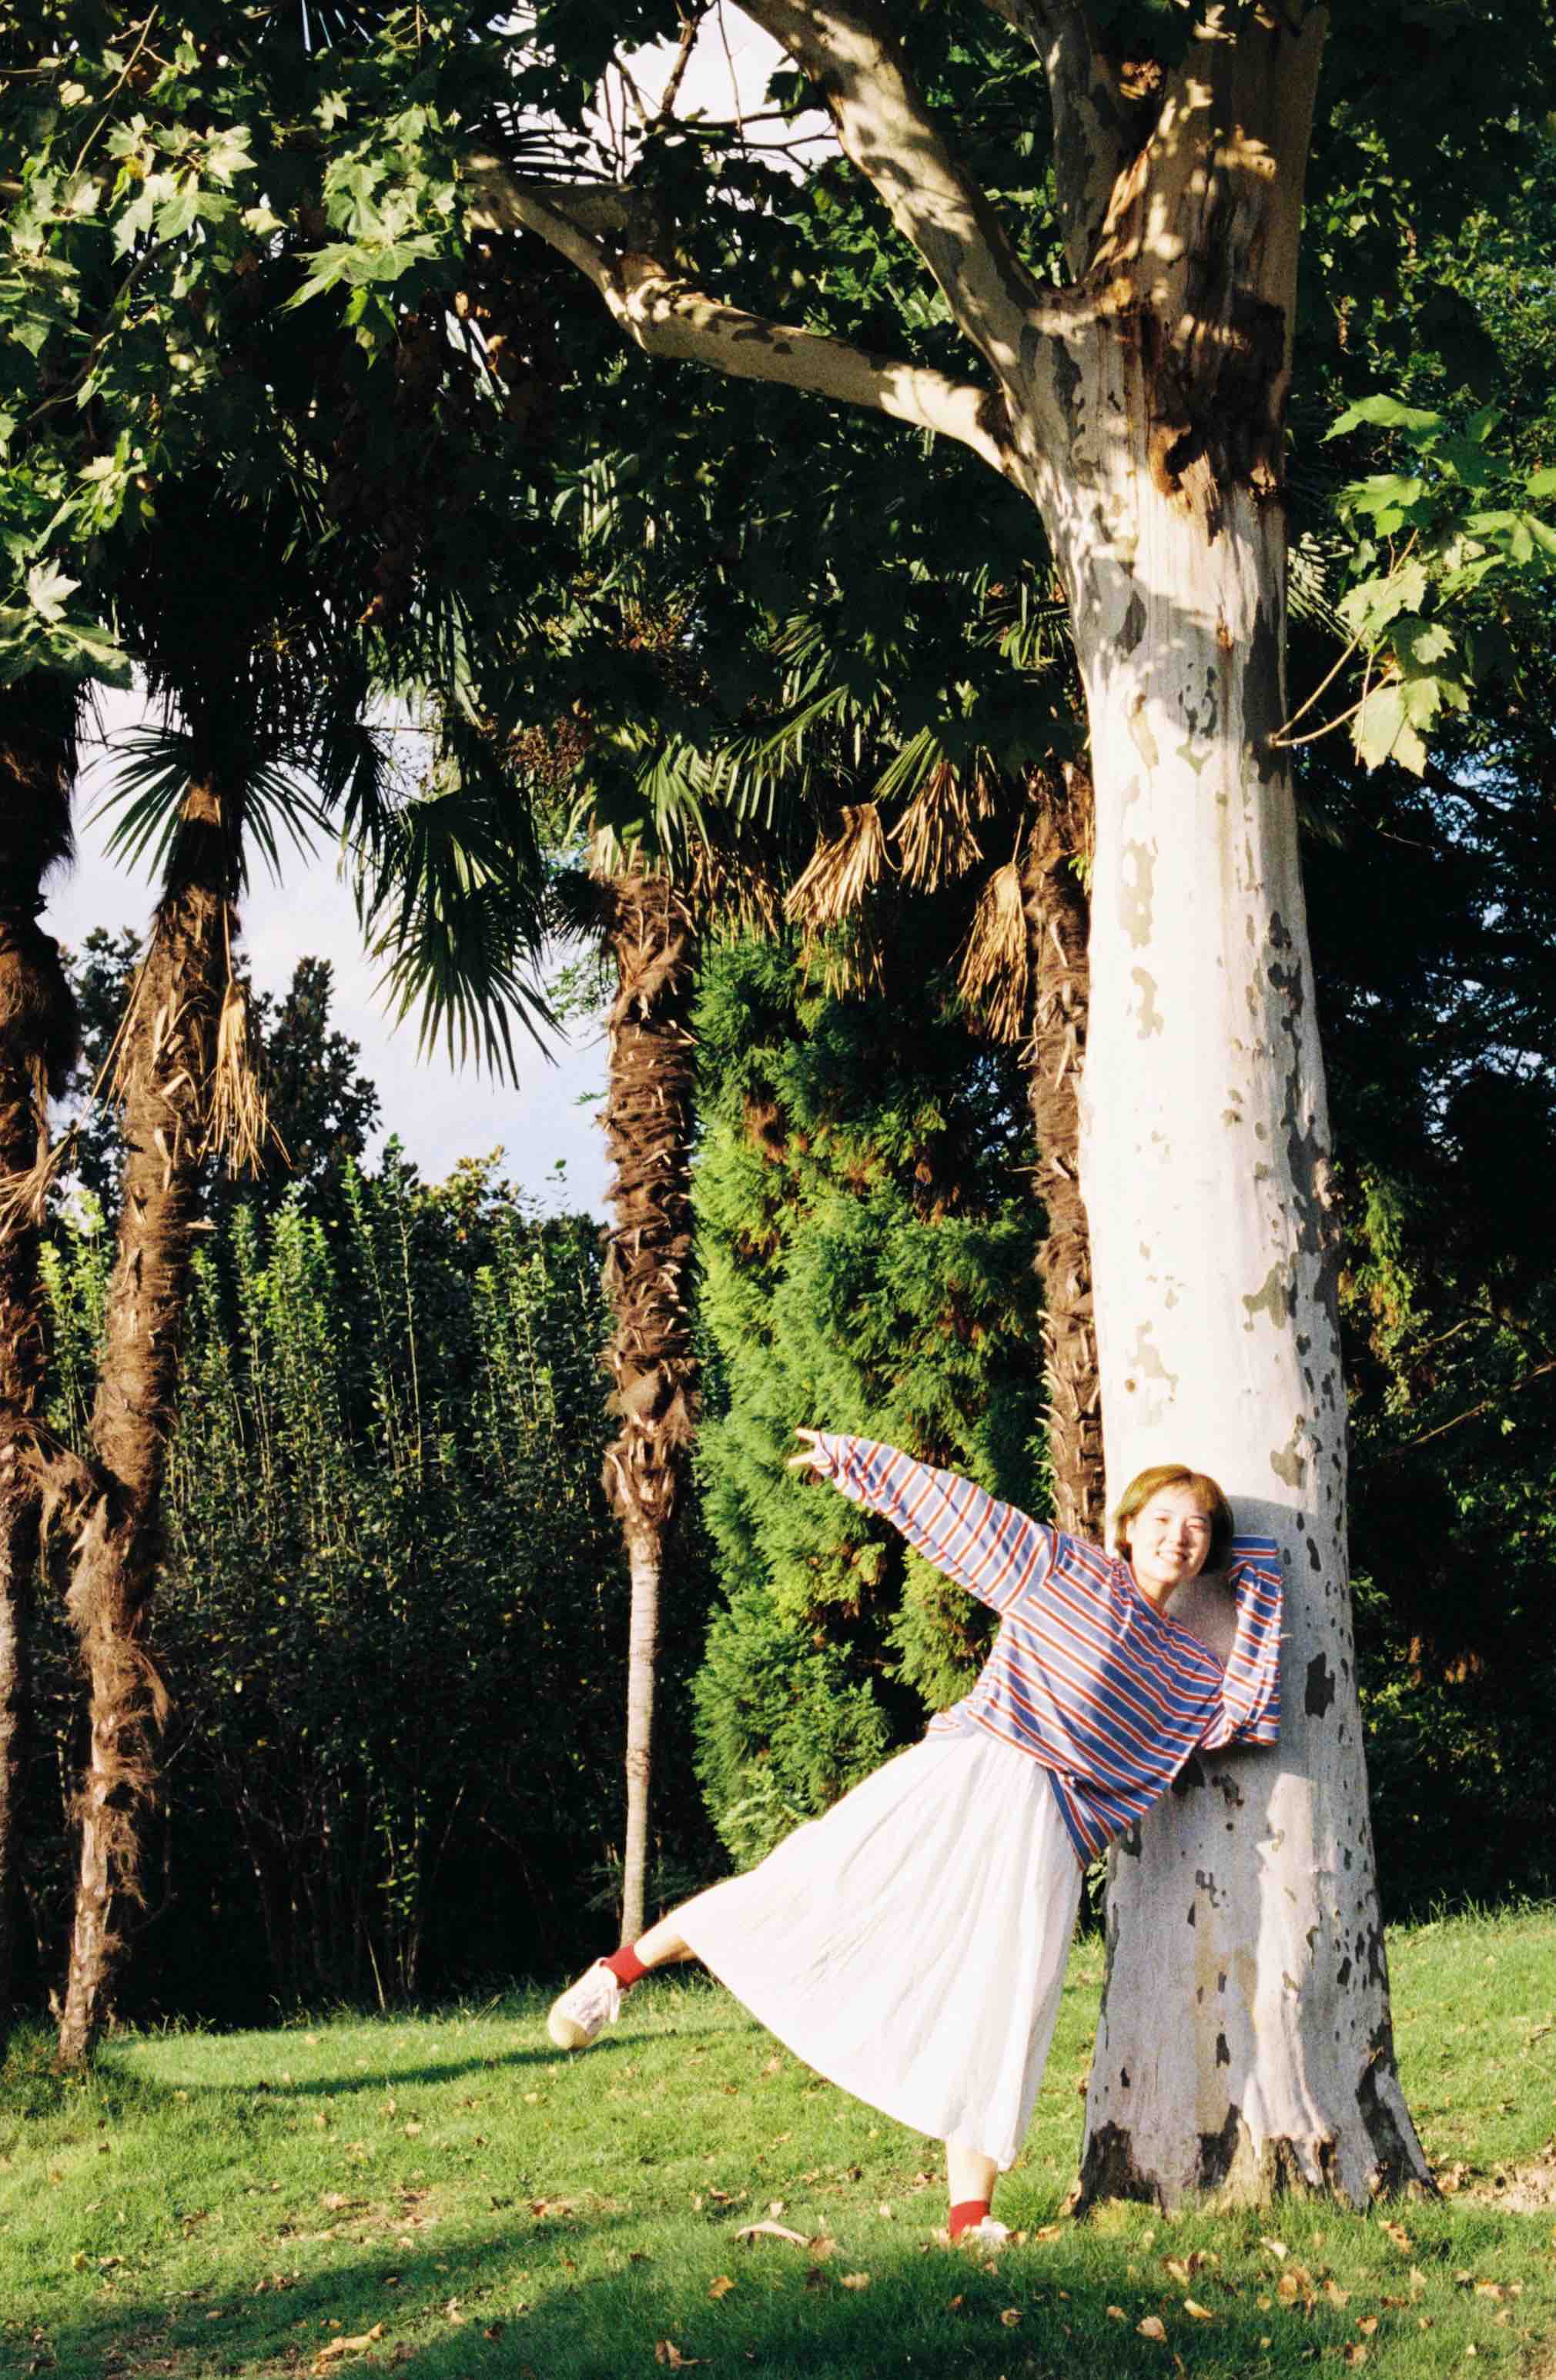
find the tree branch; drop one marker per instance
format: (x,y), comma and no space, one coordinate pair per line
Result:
(605,234)
(1093,116)
(849,52)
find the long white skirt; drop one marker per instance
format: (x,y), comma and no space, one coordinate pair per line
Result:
(911,1944)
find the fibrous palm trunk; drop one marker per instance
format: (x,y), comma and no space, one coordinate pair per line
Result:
(647,1125)
(1058,921)
(165,1073)
(37,1041)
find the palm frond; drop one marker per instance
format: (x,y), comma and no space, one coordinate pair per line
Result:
(843,869)
(937,833)
(994,976)
(154,767)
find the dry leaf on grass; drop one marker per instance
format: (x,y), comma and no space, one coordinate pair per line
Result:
(1398,2234)
(749,2231)
(667,2353)
(854,2280)
(1152,2327)
(1352,2355)
(1276,2247)
(1199,2312)
(721,2288)
(336,2348)
(1115,2313)
(1011,2316)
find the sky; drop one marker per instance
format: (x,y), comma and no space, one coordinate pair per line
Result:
(547,1125)
(441,1114)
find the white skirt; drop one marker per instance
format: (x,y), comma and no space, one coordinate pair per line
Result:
(911,1944)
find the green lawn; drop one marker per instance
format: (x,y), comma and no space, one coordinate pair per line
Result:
(471,2202)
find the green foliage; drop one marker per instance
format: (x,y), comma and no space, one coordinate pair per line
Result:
(393,1603)
(866,1266)
(1458,522)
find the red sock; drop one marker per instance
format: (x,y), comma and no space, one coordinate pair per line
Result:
(964,2213)
(625,1965)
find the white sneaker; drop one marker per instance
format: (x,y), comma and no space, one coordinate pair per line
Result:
(987,2234)
(585,2007)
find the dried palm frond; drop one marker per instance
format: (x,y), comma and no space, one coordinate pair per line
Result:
(849,958)
(731,890)
(935,834)
(994,974)
(24,1192)
(841,871)
(237,1124)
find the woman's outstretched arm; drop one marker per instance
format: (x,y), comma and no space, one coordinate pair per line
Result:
(990,1549)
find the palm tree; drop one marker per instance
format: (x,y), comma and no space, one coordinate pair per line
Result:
(37,1044)
(648,929)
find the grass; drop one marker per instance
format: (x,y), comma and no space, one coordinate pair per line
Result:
(465,2201)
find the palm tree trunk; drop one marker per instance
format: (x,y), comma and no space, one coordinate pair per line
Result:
(1058,922)
(37,1043)
(164,1076)
(648,1125)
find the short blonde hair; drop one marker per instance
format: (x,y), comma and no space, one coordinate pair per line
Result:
(1212,1501)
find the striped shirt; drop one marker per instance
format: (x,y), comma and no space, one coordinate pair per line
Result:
(1086,1675)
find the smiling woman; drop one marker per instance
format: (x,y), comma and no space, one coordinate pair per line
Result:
(911,1944)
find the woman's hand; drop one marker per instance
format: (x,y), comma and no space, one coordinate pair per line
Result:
(809,1457)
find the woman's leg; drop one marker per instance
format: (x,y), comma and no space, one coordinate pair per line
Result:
(969,2181)
(661,1944)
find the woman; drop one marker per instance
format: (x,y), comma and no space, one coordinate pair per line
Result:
(911,1944)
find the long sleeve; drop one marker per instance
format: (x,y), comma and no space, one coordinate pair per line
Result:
(1250,1711)
(990,1549)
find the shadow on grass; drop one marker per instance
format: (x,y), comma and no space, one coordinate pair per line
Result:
(515,2304)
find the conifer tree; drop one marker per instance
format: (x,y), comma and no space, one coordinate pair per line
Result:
(864,1236)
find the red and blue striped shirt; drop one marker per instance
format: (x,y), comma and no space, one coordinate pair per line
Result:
(1104,1691)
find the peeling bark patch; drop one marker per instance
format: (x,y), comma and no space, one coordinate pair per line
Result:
(1342,1974)
(1136,890)
(1223,2054)
(1284,1460)
(1320,1687)
(1277,1298)
(1152,1019)
(1140,734)
(1110,2172)
(1134,626)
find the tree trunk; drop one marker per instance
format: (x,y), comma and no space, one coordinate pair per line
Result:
(1057,921)
(37,1043)
(1249,1896)
(165,1078)
(1246,1904)
(649,1124)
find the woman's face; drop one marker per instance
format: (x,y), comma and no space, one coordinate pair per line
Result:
(1170,1537)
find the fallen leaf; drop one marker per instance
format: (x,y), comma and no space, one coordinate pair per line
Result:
(1489,2289)
(884,2211)
(772,2231)
(1335,2294)
(1417,2282)
(412,2129)
(1177,2267)
(1366,2324)
(1276,2248)
(1200,2313)
(854,2280)
(1352,2354)
(1049,2231)
(1115,2313)
(773,2066)
(667,2353)
(1398,2234)
(1011,2316)
(338,2346)
(1152,2327)
(822,2246)
(721,2288)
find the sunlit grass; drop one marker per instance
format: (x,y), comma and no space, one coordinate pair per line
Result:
(467,2201)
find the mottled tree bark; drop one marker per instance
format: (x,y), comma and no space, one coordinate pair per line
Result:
(164,1074)
(1057,923)
(37,1042)
(649,1118)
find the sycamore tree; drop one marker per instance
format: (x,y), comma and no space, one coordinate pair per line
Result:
(1129,377)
